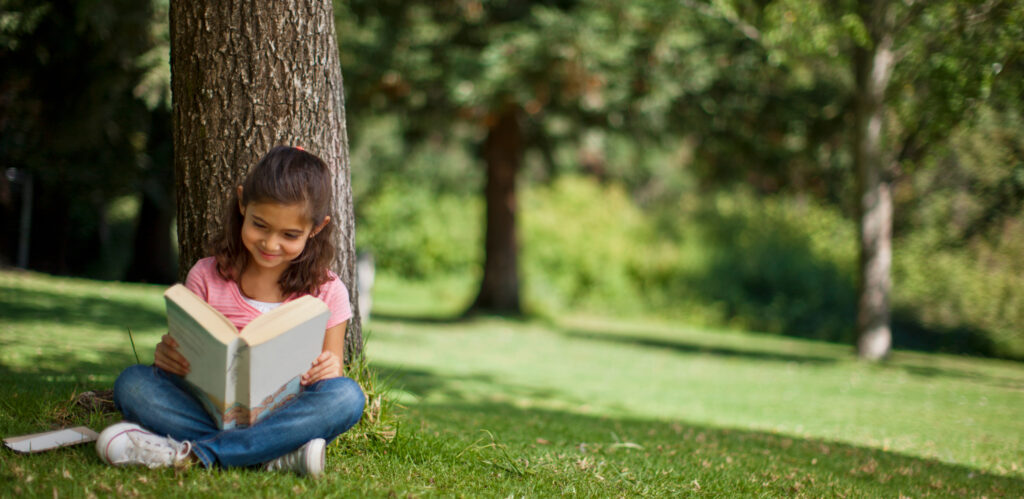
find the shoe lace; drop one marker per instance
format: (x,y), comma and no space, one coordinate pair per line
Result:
(289,461)
(155,451)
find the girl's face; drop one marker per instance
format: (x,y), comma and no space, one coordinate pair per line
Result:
(275,234)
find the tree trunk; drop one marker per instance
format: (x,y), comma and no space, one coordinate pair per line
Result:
(873,69)
(503,152)
(247,76)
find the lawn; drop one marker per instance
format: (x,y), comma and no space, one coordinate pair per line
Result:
(575,406)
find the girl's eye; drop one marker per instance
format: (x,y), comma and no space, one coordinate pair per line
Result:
(291,236)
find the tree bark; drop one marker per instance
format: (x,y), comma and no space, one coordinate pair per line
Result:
(873,67)
(503,152)
(247,76)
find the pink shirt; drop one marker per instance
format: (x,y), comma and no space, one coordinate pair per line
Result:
(226,296)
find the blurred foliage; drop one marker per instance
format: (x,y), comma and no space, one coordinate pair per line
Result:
(958,268)
(419,234)
(579,244)
(777,264)
(684,158)
(968,299)
(969,192)
(380,154)
(716,137)
(69,117)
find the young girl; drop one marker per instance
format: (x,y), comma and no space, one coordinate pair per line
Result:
(275,246)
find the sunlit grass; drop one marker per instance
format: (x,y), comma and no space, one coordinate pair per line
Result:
(574,406)
(950,408)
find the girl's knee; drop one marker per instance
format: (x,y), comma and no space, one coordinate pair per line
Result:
(131,385)
(347,398)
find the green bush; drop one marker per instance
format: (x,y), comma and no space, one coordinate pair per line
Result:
(963,299)
(418,234)
(777,265)
(579,239)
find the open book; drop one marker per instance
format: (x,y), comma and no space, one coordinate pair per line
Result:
(241,377)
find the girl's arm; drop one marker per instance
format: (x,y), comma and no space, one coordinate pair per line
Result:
(329,364)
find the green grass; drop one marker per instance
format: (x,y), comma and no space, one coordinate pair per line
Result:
(575,406)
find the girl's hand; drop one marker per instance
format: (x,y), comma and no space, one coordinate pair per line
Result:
(168,358)
(326,366)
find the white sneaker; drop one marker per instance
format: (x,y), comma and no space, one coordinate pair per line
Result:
(124,443)
(306,460)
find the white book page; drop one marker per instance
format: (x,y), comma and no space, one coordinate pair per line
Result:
(208,358)
(276,361)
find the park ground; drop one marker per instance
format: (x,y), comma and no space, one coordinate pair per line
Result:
(578,405)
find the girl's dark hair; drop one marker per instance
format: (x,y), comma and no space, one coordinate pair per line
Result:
(285,175)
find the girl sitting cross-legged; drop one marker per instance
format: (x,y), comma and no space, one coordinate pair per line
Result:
(275,246)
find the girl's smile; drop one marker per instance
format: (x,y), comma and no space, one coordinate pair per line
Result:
(275,234)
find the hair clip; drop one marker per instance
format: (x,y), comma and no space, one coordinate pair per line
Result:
(299,148)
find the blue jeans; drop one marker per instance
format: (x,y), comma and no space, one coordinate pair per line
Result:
(159,402)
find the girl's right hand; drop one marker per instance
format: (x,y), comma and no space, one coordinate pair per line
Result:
(168,358)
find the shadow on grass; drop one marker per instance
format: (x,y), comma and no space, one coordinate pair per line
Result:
(910,333)
(636,456)
(22,305)
(65,363)
(592,455)
(962,374)
(682,346)
(661,456)
(467,316)
(422,384)
(418,319)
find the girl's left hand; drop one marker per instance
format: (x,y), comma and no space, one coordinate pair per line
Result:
(326,366)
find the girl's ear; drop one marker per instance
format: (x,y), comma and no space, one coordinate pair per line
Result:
(241,208)
(320,227)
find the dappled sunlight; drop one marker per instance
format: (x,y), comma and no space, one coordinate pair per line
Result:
(66,329)
(657,372)
(708,459)
(590,404)
(682,346)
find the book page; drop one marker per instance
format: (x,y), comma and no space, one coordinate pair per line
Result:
(39,442)
(202,313)
(281,319)
(275,361)
(208,356)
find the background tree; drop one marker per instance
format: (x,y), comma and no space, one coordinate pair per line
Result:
(429,59)
(916,71)
(873,62)
(70,120)
(245,77)
(515,78)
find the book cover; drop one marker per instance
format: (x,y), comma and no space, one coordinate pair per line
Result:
(242,376)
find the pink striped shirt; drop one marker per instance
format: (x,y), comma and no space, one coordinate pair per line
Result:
(226,296)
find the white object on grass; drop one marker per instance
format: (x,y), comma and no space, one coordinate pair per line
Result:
(39,442)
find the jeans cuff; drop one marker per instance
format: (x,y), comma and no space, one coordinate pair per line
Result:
(203,455)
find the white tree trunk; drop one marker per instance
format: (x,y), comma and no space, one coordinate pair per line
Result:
(873,70)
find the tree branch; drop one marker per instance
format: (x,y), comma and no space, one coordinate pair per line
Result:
(745,28)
